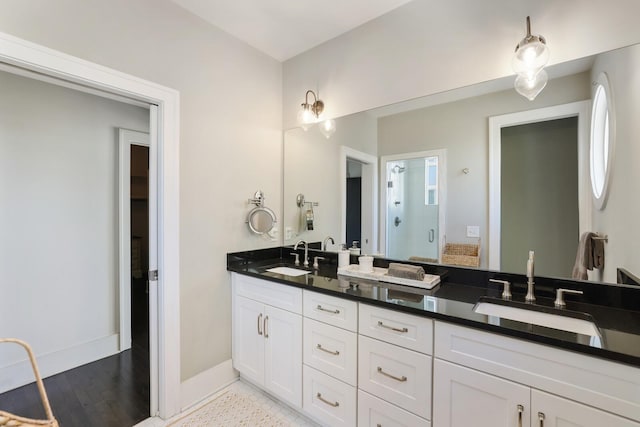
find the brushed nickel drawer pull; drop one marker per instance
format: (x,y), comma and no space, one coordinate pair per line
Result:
(259,322)
(321,308)
(541,418)
(266,320)
(401,379)
(334,404)
(520,411)
(403,330)
(335,353)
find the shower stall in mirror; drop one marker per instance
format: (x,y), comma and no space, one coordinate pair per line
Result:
(413,208)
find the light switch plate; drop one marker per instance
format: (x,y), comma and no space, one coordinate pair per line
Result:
(473,231)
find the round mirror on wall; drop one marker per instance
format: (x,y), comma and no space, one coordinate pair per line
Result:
(261,220)
(602,140)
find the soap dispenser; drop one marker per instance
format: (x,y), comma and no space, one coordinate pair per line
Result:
(354,249)
(344,256)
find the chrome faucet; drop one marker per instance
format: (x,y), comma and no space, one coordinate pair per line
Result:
(530,298)
(306,252)
(324,244)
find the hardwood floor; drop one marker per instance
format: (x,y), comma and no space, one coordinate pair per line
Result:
(113,391)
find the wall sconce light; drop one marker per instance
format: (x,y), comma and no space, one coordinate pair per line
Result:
(311,113)
(531,55)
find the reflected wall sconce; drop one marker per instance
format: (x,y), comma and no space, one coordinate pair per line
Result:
(311,113)
(530,57)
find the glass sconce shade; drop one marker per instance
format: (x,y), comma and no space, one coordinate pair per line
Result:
(530,57)
(328,127)
(530,87)
(306,118)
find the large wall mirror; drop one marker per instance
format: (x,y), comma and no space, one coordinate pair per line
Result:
(479,166)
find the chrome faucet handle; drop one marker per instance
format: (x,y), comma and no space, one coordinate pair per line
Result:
(559,302)
(506,290)
(297,261)
(315,261)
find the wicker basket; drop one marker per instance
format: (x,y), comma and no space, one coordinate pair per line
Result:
(7,419)
(465,254)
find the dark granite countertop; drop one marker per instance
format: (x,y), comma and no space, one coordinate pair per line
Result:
(614,308)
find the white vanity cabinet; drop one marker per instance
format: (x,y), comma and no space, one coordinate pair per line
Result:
(267,336)
(394,366)
(483,379)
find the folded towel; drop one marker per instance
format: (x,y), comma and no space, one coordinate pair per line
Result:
(598,253)
(590,255)
(406,271)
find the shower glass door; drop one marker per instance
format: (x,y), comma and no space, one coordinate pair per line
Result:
(413,207)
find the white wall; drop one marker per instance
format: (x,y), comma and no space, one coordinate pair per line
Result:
(59,221)
(230,138)
(311,167)
(462,127)
(426,47)
(619,219)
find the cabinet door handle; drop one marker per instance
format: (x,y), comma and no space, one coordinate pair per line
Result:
(335,353)
(401,379)
(334,404)
(266,319)
(520,412)
(382,325)
(541,418)
(321,308)
(260,324)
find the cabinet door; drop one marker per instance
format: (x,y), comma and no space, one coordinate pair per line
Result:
(248,339)
(463,397)
(283,354)
(553,411)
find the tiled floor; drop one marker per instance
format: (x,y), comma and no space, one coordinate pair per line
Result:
(239,404)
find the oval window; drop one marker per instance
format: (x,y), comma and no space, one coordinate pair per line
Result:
(602,139)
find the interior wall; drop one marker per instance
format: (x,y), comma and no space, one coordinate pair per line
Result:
(59,217)
(619,217)
(426,47)
(539,196)
(311,167)
(230,134)
(462,127)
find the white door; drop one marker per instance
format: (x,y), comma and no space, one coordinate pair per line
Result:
(283,354)
(553,411)
(463,397)
(248,338)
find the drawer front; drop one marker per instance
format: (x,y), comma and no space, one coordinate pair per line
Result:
(397,375)
(277,295)
(405,330)
(334,311)
(610,386)
(331,350)
(327,400)
(374,412)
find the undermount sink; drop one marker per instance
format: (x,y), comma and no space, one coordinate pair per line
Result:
(564,320)
(288,271)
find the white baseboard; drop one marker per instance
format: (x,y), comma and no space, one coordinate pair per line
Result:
(204,384)
(20,373)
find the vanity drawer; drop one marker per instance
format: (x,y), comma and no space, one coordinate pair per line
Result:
(397,375)
(405,330)
(276,295)
(374,412)
(331,350)
(334,311)
(328,400)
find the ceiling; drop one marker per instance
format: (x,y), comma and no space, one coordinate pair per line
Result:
(284,28)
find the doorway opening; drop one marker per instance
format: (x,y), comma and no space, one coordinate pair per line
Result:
(414,203)
(354,202)
(139,197)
